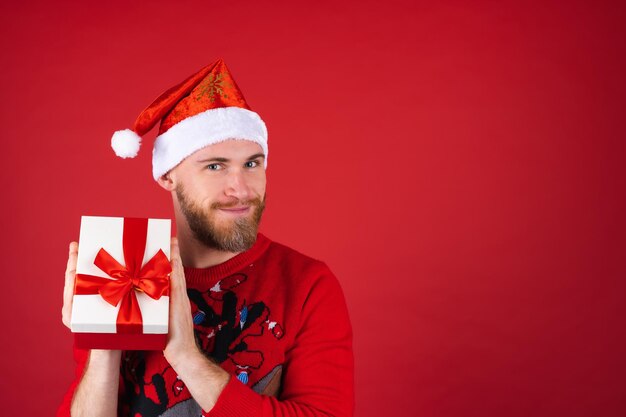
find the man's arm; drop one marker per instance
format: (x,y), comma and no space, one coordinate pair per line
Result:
(96,394)
(97,390)
(318,376)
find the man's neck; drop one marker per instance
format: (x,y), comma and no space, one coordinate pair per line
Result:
(195,254)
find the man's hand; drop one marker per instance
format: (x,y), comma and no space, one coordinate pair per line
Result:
(68,289)
(204,379)
(96,395)
(181,342)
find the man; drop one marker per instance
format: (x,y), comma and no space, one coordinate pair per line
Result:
(269,332)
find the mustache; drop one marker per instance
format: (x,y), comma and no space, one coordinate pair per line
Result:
(255,202)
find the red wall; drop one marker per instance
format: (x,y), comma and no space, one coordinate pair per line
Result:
(459,165)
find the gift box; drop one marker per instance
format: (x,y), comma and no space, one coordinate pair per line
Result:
(121,292)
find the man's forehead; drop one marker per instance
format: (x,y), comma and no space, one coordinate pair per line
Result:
(230,148)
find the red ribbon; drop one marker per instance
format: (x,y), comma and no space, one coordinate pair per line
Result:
(151,279)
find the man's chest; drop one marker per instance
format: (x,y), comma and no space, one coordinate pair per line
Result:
(242,330)
(238,326)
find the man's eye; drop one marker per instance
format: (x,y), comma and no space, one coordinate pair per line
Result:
(213,167)
(252,164)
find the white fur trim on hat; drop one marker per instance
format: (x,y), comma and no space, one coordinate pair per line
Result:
(203,129)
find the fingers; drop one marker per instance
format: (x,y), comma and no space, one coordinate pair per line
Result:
(177,263)
(177,277)
(68,289)
(181,335)
(174,251)
(73,256)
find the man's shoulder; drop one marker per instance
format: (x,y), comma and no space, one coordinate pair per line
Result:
(292,258)
(304,272)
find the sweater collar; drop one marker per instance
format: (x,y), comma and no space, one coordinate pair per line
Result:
(234,264)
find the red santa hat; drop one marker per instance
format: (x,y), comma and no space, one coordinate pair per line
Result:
(204,109)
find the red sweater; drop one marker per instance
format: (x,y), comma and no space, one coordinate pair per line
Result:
(276,320)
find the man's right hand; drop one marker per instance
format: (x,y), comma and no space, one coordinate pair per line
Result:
(96,394)
(70,277)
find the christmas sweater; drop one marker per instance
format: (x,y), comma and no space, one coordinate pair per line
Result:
(275,319)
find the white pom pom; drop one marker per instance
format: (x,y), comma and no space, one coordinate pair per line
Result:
(125,143)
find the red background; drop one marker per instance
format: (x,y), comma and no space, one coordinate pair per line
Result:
(459,165)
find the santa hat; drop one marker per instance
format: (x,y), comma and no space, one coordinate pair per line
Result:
(206,108)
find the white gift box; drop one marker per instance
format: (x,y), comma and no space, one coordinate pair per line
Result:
(95,321)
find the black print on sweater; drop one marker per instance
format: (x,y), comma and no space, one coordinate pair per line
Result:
(226,331)
(230,333)
(139,403)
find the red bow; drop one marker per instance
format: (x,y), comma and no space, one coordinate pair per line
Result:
(151,279)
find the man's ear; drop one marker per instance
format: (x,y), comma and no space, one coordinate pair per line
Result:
(166,181)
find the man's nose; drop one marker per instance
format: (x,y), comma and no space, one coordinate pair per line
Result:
(237,185)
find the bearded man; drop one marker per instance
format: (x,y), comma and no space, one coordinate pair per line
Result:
(256,328)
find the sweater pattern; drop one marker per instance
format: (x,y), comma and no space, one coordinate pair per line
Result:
(231,330)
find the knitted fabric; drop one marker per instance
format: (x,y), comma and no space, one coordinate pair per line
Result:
(276,320)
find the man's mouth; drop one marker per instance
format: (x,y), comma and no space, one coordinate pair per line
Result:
(235,210)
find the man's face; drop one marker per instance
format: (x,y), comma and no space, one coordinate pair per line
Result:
(221,192)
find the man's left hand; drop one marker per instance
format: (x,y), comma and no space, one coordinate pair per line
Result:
(204,379)
(181,341)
